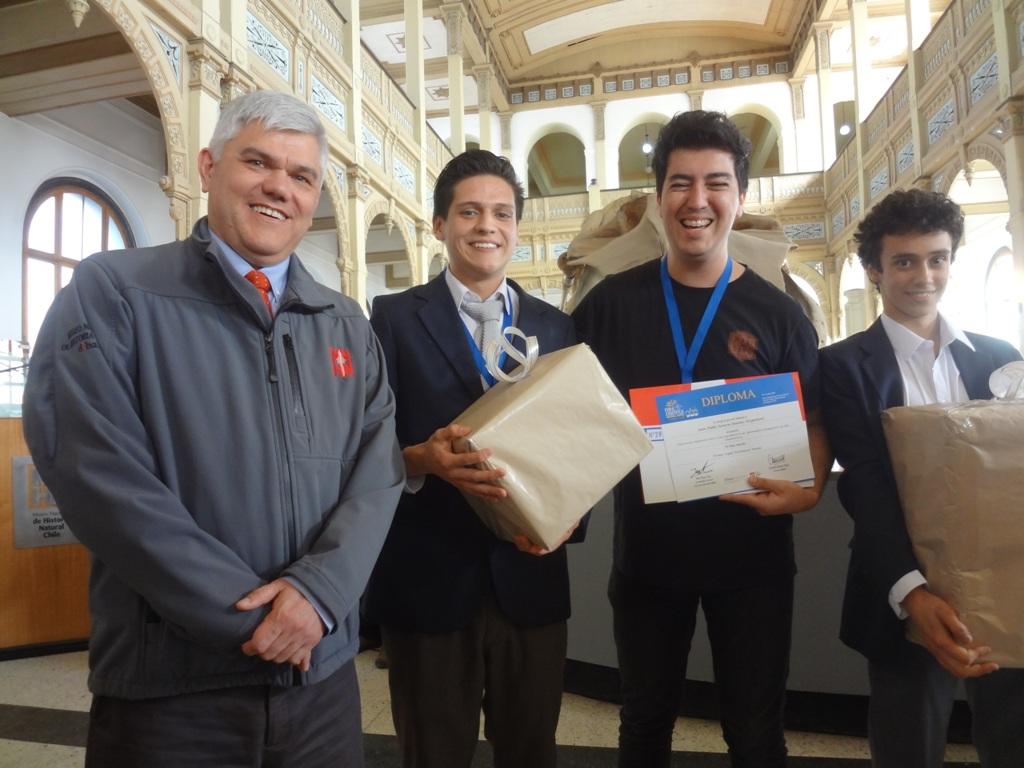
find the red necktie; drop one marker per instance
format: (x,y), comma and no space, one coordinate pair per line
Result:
(262,284)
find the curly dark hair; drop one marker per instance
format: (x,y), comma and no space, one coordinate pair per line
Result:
(474,162)
(907,211)
(702,130)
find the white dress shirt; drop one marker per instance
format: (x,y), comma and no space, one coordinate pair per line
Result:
(927,378)
(509,299)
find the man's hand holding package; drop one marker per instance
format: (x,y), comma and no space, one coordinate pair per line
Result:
(289,632)
(945,636)
(523,544)
(437,456)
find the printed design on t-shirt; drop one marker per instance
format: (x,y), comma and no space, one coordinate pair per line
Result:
(743,345)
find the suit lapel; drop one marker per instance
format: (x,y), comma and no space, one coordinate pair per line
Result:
(880,366)
(441,320)
(974,366)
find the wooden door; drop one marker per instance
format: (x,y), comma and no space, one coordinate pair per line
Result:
(43,590)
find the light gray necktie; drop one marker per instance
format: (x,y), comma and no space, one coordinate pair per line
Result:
(487,315)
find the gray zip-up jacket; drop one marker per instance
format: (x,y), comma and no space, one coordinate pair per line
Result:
(199,450)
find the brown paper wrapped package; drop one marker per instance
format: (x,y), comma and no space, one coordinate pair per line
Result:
(960,474)
(564,436)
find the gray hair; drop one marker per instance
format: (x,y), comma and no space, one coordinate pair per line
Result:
(276,112)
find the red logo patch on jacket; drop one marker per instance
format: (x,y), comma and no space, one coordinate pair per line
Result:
(341,362)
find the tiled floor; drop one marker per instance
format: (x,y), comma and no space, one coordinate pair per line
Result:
(58,683)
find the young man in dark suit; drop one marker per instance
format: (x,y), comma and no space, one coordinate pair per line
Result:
(913,355)
(466,618)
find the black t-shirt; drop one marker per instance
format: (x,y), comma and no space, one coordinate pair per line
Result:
(705,544)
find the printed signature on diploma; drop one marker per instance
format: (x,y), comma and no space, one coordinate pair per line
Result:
(702,471)
(776,460)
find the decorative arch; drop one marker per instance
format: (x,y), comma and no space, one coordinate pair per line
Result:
(334,186)
(376,207)
(768,114)
(404,224)
(943,180)
(811,276)
(549,128)
(991,151)
(133,23)
(646,117)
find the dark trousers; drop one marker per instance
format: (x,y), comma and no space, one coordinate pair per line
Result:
(911,701)
(440,681)
(317,726)
(749,630)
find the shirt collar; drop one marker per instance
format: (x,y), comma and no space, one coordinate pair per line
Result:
(459,291)
(905,342)
(277,274)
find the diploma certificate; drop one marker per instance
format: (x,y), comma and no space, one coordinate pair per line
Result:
(708,436)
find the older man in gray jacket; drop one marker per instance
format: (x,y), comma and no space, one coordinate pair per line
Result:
(218,430)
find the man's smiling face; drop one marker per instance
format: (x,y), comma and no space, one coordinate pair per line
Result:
(263,190)
(480,231)
(699,202)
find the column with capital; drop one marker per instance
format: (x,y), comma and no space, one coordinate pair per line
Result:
(353,54)
(206,69)
(415,82)
(484,74)
(354,277)
(454,15)
(505,126)
(600,180)
(918,17)
(823,61)
(861,70)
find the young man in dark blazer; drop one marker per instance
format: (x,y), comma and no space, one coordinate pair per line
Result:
(913,355)
(466,618)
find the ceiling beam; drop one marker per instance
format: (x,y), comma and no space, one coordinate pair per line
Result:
(112,77)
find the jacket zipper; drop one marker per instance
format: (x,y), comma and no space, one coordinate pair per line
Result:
(293,374)
(268,345)
(280,441)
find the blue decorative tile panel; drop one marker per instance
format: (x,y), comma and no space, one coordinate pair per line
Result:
(805,230)
(905,157)
(941,121)
(267,46)
(404,175)
(838,222)
(879,183)
(330,105)
(372,146)
(523,253)
(172,49)
(984,78)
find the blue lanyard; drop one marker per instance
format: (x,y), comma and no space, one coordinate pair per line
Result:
(688,358)
(478,357)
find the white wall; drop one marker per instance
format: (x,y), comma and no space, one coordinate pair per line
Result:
(113,145)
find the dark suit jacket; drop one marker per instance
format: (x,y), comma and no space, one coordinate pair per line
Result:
(439,558)
(860,379)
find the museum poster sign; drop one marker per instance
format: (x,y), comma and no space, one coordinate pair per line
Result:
(37,523)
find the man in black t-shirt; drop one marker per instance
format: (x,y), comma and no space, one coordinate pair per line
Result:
(734,555)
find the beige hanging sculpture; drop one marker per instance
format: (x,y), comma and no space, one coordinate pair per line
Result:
(629,231)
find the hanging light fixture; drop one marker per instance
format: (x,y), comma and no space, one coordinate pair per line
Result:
(646,147)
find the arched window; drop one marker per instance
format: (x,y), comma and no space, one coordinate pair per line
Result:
(67,220)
